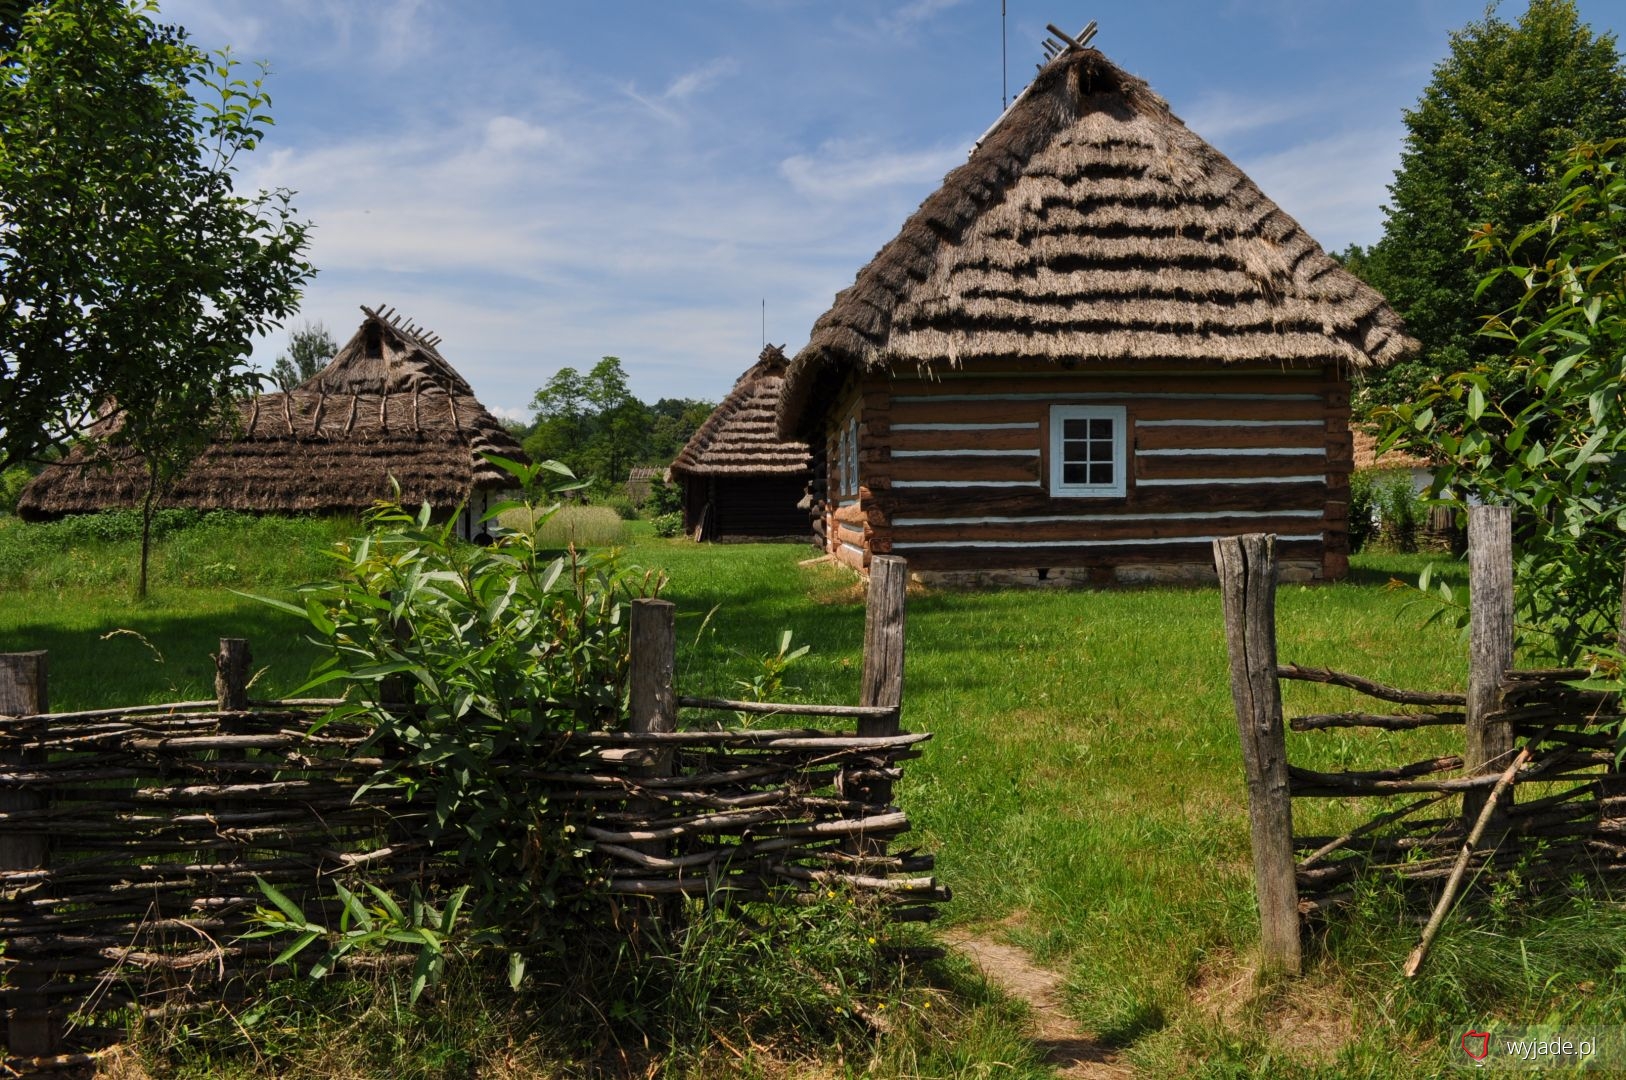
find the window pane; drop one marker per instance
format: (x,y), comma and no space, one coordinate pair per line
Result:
(1075,429)
(1101,474)
(1075,474)
(1100,449)
(1100,429)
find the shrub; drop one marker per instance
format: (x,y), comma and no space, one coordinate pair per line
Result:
(1361,510)
(667,525)
(12,482)
(664,498)
(502,649)
(1400,509)
(622,506)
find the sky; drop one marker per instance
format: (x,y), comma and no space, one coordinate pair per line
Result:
(544,183)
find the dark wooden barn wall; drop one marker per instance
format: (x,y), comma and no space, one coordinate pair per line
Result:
(746,505)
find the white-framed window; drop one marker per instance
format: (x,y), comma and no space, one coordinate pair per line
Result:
(1087,450)
(852,454)
(846,470)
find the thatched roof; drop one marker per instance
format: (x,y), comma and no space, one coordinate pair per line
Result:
(1091,225)
(1367,456)
(388,405)
(739,438)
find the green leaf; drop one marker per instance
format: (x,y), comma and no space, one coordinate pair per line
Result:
(280,605)
(285,905)
(516,970)
(387,902)
(296,947)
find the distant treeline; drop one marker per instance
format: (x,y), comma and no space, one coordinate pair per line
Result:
(593,424)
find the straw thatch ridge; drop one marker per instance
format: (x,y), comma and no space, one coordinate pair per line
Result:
(1091,225)
(740,437)
(1367,457)
(388,405)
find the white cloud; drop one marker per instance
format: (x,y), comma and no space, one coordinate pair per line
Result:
(1332,186)
(914,13)
(844,170)
(692,82)
(1220,114)
(507,134)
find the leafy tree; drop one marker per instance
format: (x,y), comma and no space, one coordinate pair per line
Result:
(593,424)
(1500,108)
(673,422)
(132,277)
(310,347)
(1552,444)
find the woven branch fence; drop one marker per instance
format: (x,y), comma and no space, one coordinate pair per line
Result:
(1446,820)
(131,839)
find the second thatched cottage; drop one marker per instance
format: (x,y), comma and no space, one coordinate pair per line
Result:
(1097,347)
(740,479)
(388,407)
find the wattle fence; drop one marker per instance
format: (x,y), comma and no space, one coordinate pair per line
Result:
(1448,819)
(131,839)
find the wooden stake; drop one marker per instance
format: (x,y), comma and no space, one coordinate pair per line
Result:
(1490,648)
(1247,570)
(883,642)
(654,649)
(232,666)
(1454,882)
(31,1031)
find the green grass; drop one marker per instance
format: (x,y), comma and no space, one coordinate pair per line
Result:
(1083,792)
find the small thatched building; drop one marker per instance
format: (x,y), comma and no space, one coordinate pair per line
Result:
(1097,347)
(740,479)
(388,405)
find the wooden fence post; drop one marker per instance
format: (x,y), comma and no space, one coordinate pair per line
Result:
(232,665)
(882,680)
(1490,651)
(1247,572)
(883,642)
(654,657)
(31,1029)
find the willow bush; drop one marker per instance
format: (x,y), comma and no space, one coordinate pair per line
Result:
(500,649)
(1549,439)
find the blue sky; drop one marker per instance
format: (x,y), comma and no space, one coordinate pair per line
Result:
(544,183)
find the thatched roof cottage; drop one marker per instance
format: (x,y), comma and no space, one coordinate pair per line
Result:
(1094,349)
(388,405)
(740,479)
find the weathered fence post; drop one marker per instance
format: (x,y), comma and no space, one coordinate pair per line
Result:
(1490,651)
(883,642)
(1247,572)
(881,682)
(232,665)
(31,1030)
(654,657)
(652,698)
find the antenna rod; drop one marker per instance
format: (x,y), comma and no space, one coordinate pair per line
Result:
(764,322)
(1004,85)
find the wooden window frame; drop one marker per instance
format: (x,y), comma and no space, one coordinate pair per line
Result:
(1059,415)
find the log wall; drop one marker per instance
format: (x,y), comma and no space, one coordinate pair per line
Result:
(955,466)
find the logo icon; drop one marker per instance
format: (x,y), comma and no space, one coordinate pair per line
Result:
(1476,1044)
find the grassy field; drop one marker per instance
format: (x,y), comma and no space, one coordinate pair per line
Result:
(1083,790)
